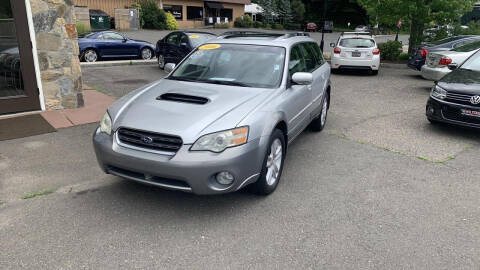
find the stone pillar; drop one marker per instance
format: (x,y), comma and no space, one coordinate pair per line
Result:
(57,47)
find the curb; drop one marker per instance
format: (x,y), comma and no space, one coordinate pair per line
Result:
(119,63)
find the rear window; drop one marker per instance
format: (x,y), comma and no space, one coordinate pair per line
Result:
(199,38)
(468,47)
(445,40)
(357,43)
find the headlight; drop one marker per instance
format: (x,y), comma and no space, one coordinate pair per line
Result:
(219,141)
(438,92)
(106,124)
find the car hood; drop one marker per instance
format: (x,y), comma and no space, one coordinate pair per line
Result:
(226,107)
(461,80)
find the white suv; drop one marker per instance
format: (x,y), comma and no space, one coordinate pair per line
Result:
(356,51)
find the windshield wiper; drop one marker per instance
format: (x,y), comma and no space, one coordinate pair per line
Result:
(466,69)
(186,79)
(227,83)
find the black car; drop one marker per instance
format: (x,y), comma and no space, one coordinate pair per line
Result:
(176,45)
(418,56)
(455,99)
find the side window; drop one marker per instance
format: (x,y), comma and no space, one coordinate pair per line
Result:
(296,62)
(318,53)
(183,39)
(112,36)
(172,39)
(309,55)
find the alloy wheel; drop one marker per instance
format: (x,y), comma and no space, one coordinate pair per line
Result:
(161,61)
(146,54)
(90,56)
(274,162)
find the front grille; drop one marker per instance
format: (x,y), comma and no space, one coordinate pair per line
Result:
(149,140)
(456,115)
(460,99)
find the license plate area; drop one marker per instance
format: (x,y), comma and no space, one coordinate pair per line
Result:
(356,54)
(471,113)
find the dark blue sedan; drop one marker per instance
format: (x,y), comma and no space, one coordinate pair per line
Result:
(109,44)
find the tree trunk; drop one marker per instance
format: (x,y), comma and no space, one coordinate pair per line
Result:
(416,34)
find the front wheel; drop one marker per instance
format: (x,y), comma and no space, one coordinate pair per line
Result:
(146,54)
(319,123)
(161,61)
(272,165)
(374,72)
(90,56)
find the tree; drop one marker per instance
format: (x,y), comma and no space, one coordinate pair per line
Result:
(269,10)
(298,11)
(284,11)
(417,12)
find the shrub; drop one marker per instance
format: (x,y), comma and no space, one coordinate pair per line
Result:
(152,15)
(293,26)
(267,26)
(257,24)
(277,26)
(82,28)
(390,50)
(244,21)
(403,56)
(171,23)
(221,25)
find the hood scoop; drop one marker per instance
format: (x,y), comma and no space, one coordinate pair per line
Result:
(176,97)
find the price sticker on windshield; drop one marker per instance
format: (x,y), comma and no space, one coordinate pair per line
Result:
(209,47)
(194,36)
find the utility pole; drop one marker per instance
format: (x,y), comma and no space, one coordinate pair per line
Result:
(322,43)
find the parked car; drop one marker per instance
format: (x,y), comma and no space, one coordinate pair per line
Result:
(310,27)
(356,51)
(222,119)
(437,62)
(362,28)
(455,99)
(176,45)
(110,44)
(417,59)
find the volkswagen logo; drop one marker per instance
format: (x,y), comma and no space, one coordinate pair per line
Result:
(475,100)
(147,140)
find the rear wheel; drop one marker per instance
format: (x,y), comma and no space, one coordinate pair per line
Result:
(319,123)
(272,165)
(90,55)
(147,54)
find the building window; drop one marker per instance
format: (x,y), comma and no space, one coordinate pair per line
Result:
(194,13)
(177,11)
(226,13)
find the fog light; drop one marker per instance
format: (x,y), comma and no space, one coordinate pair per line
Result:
(430,110)
(225,178)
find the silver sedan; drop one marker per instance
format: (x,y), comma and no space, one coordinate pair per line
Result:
(222,119)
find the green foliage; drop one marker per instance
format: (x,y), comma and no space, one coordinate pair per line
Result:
(82,29)
(222,25)
(417,13)
(152,15)
(257,24)
(473,29)
(267,26)
(269,9)
(244,21)
(403,56)
(284,11)
(298,11)
(293,26)
(390,50)
(277,26)
(172,24)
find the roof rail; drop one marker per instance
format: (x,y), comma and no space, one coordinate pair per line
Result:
(357,33)
(230,34)
(296,34)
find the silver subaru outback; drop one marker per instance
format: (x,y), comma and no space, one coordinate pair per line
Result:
(222,119)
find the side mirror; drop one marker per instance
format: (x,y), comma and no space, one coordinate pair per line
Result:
(169,67)
(332,45)
(302,78)
(452,66)
(125,40)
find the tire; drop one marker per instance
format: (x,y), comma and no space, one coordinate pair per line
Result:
(319,123)
(433,122)
(272,164)
(90,55)
(146,54)
(161,61)
(374,72)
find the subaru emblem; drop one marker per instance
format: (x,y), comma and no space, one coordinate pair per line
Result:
(475,100)
(147,139)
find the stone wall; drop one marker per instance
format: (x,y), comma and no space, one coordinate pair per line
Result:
(57,47)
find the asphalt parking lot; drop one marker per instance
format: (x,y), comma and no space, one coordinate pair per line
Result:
(379,188)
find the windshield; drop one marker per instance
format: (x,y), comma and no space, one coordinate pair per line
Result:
(357,43)
(89,35)
(468,47)
(198,38)
(233,64)
(472,63)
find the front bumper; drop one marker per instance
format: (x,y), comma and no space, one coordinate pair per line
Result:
(434,74)
(447,112)
(186,170)
(339,62)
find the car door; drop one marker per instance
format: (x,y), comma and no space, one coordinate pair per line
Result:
(120,46)
(320,70)
(183,47)
(299,97)
(171,48)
